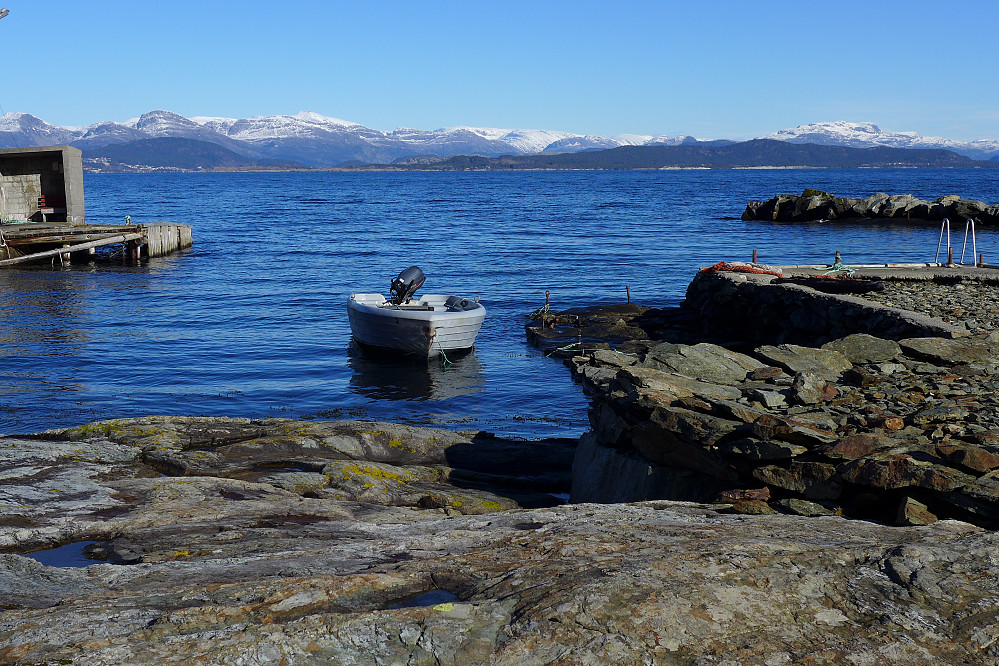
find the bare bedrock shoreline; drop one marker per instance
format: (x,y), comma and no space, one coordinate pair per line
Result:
(716,513)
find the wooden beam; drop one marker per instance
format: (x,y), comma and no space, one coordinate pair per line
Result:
(121,238)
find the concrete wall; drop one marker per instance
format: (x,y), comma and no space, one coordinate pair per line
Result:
(754,309)
(72,163)
(19,197)
(58,171)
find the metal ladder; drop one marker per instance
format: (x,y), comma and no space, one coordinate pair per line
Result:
(969,226)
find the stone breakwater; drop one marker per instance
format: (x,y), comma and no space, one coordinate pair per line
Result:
(230,541)
(757,393)
(812,205)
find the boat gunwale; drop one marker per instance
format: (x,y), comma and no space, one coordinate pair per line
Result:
(428,313)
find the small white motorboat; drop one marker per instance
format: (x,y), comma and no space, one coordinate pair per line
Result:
(427,326)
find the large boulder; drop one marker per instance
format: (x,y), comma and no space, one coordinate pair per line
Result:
(814,205)
(871,206)
(896,205)
(959,209)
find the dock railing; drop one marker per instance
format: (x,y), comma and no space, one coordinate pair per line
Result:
(968,227)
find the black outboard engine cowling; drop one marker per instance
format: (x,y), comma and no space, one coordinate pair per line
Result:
(404,286)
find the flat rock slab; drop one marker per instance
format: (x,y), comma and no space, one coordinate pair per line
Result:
(825,363)
(862,348)
(679,386)
(704,361)
(950,351)
(99,481)
(654,582)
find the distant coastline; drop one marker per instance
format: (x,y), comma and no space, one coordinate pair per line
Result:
(171,154)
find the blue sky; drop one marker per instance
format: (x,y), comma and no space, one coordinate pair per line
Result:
(707,68)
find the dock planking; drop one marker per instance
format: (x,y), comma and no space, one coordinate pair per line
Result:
(42,213)
(24,243)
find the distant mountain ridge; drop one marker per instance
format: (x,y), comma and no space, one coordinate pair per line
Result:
(313,140)
(171,153)
(756,153)
(869,135)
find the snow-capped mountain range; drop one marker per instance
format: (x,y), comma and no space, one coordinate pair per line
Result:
(311,139)
(867,135)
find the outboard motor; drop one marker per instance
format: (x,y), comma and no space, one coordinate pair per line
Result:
(404,286)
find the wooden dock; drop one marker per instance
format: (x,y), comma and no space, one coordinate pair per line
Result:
(42,214)
(36,241)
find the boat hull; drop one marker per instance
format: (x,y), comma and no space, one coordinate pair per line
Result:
(424,328)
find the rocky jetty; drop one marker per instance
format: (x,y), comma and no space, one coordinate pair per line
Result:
(229,541)
(778,398)
(812,205)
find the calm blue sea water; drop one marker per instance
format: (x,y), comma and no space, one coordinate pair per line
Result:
(252,321)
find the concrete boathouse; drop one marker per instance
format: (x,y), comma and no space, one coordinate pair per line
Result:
(42,214)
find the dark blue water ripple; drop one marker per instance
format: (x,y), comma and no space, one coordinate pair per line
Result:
(252,322)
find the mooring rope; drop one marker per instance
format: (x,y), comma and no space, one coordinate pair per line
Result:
(838,267)
(445,362)
(540,312)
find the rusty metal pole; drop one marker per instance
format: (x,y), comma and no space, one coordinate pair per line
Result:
(627,290)
(950,256)
(754,256)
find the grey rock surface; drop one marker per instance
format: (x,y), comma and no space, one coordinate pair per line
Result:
(902,430)
(865,348)
(238,554)
(705,362)
(646,583)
